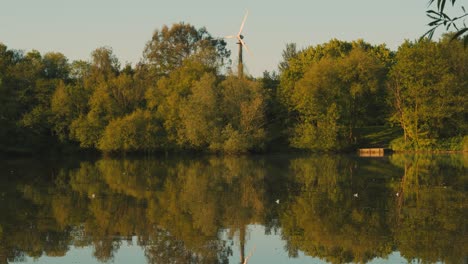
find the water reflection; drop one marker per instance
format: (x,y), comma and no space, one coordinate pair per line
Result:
(340,209)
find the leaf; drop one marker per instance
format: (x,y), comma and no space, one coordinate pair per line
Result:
(429,34)
(446,16)
(434,23)
(463,8)
(441,4)
(459,33)
(433,12)
(433,17)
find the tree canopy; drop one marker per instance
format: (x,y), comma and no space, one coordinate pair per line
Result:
(181,97)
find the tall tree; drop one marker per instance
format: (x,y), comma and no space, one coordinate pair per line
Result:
(428,85)
(330,90)
(169,47)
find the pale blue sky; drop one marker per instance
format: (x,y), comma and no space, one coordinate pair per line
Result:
(76,28)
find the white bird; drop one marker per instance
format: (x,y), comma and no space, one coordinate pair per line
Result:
(93,195)
(397,194)
(356,195)
(277,201)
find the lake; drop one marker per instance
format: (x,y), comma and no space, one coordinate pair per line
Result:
(258,209)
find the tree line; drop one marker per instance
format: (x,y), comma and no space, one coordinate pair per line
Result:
(183,96)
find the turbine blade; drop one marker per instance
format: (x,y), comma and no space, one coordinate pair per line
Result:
(245,46)
(228,37)
(243,22)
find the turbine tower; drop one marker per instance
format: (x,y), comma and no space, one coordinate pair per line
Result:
(241,43)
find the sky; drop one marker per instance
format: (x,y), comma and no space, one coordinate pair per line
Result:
(76,28)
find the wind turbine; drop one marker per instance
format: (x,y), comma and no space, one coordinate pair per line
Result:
(241,43)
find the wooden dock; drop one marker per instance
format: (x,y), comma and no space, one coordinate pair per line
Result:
(373,152)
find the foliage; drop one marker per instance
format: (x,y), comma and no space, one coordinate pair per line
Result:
(200,120)
(138,131)
(428,83)
(169,47)
(335,93)
(445,144)
(243,104)
(321,100)
(440,18)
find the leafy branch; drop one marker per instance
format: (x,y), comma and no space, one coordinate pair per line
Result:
(440,18)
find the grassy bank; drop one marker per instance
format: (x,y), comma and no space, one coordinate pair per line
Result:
(392,138)
(377,136)
(454,144)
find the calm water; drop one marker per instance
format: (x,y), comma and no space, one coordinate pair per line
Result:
(276,209)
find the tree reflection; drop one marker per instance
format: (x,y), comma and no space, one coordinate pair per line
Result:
(338,214)
(433,199)
(336,208)
(345,212)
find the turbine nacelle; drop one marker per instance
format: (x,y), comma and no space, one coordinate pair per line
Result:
(241,43)
(239,36)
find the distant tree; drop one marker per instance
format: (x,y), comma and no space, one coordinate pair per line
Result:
(56,66)
(138,131)
(54,71)
(296,63)
(68,102)
(166,99)
(104,64)
(9,105)
(200,114)
(331,89)
(289,52)
(108,92)
(79,71)
(169,47)
(127,95)
(87,130)
(243,110)
(428,86)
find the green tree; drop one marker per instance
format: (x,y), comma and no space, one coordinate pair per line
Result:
(336,94)
(56,66)
(169,47)
(199,113)
(109,95)
(105,64)
(138,131)
(67,103)
(243,108)
(9,105)
(40,76)
(428,83)
(167,98)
